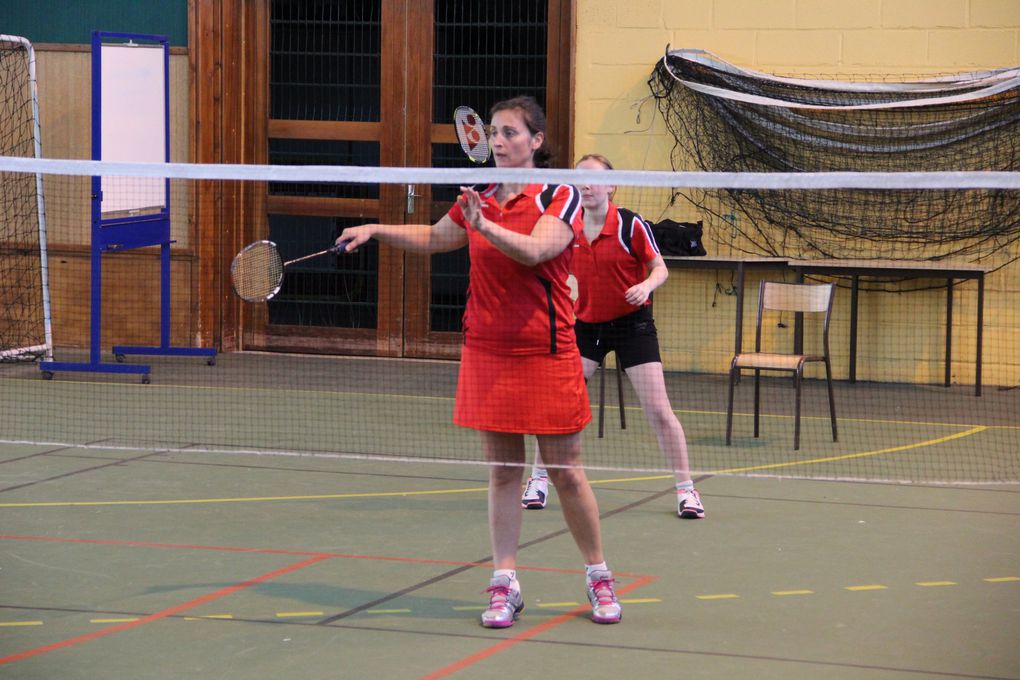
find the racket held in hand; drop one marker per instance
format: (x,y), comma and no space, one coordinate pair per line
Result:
(472,134)
(257,271)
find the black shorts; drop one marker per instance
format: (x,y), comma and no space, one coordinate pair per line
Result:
(633,337)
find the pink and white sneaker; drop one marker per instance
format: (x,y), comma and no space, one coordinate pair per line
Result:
(505,604)
(605,608)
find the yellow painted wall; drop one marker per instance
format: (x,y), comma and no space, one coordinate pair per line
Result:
(901,335)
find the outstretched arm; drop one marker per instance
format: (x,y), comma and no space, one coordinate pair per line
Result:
(443,236)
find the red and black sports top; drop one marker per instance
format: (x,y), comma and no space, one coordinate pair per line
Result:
(512,308)
(613,263)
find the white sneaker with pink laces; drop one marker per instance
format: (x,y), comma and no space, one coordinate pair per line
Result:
(505,604)
(605,608)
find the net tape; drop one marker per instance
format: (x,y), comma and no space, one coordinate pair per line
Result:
(975,179)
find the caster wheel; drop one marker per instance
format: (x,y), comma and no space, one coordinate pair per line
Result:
(211,361)
(47,375)
(146,380)
(119,358)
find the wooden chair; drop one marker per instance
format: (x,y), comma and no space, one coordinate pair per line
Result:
(785,297)
(602,396)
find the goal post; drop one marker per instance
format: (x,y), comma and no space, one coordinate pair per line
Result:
(25,327)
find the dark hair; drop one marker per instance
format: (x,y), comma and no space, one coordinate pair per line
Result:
(534,118)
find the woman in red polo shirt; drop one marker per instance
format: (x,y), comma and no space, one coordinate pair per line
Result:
(617,266)
(520,369)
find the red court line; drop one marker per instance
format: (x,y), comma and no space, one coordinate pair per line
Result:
(523,635)
(223,592)
(273,551)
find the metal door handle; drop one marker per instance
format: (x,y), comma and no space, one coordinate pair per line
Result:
(411,195)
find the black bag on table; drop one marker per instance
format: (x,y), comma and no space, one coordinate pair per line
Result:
(679,238)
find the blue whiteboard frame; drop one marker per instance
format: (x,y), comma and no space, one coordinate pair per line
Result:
(113,234)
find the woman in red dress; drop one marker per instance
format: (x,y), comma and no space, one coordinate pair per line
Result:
(520,369)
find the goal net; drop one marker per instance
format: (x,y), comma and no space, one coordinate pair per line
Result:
(24,313)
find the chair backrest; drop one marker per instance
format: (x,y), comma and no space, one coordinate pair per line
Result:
(795,297)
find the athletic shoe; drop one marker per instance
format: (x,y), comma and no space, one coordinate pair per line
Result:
(688,504)
(535,493)
(605,608)
(505,604)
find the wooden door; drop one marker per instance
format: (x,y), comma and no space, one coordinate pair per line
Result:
(357,82)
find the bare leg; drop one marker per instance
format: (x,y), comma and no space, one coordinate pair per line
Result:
(650,385)
(504,495)
(580,510)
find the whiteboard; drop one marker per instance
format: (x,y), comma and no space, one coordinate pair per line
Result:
(133,124)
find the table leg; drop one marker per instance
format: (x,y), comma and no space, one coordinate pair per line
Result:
(739,334)
(854,291)
(980,324)
(798,322)
(949,330)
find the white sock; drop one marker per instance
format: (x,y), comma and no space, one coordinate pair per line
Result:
(589,568)
(685,486)
(512,573)
(540,472)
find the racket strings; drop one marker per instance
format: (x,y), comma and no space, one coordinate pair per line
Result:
(257,272)
(472,134)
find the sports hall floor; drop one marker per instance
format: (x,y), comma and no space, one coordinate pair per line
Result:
(141,536)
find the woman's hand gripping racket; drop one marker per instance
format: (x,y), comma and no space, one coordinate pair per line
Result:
(472,134)
(257,271)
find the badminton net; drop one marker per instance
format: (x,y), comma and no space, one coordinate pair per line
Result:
(356,356)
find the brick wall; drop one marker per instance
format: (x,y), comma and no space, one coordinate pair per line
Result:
(902,335)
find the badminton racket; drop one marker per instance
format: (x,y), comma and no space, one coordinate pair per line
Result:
(472,134)
(257,271)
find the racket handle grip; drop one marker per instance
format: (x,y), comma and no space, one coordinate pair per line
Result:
(341,247)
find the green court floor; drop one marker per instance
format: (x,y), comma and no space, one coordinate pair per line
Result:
(128,559)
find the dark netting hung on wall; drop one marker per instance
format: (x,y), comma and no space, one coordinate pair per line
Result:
(728,119)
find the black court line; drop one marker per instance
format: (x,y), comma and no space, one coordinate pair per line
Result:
(36,454)
(119,461)
(484,560)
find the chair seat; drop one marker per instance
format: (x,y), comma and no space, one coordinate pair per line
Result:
(777,362)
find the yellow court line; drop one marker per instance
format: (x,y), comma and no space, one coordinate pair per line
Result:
(289,615)
(383,494)
(121,620)
(1003,579)
(721,596)
(865,454)
(793,592)
(210,616)
(189,501)
(558,605)
(12,624)
(931,584)
(873,587)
